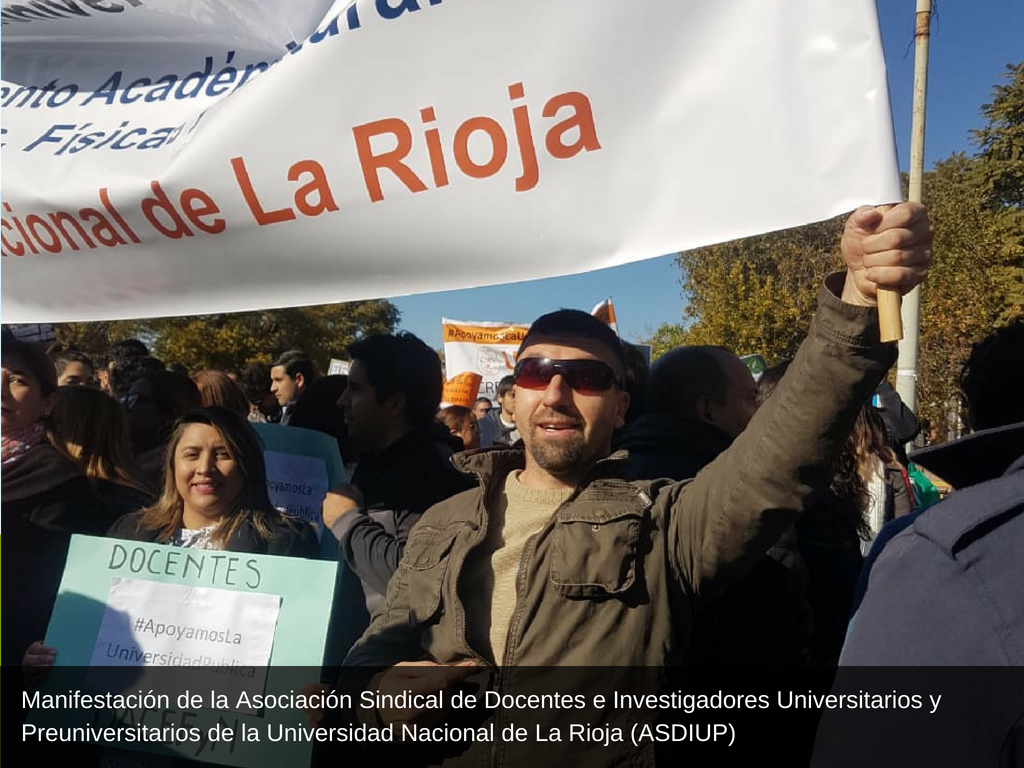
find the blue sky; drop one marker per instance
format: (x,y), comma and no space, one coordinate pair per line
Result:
(972,42)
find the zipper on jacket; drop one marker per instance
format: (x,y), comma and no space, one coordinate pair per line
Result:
(509,654)
(508,657)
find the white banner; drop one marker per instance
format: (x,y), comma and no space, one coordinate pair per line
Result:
(172,157)
(485,348)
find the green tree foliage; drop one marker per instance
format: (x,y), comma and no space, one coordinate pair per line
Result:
(965,296)
(229,341)
(977,282)
(757,294)
(1001,143)
(93,338)
(754,296)
(1000,169)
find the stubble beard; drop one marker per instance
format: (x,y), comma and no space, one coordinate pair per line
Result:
(565,459)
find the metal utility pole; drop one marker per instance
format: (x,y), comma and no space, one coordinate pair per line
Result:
(906,366)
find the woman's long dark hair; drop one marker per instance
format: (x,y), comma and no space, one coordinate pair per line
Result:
(91,428)
(849,482)
(253,501)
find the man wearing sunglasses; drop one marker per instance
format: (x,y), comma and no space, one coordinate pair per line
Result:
(554,560)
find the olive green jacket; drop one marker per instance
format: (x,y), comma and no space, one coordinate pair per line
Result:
(616,575)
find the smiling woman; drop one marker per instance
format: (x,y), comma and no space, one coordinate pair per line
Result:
(215,494)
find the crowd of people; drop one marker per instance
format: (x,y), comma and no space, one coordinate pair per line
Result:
(599,513)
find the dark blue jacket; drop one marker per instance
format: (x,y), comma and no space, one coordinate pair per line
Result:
(949,590)
(943,613)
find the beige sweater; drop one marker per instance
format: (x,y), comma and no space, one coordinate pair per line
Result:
(519,513)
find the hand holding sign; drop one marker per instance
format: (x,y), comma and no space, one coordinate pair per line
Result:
(314,715)
(36,663)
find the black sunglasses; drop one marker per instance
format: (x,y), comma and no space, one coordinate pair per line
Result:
(584,376)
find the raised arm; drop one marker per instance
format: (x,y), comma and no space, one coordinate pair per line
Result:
(739,504)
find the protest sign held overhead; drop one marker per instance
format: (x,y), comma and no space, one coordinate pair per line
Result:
(605,312)
(482,347)
(338,367)
(461,389)
(146,146)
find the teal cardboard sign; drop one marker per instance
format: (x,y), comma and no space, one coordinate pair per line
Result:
(304,442)
(302,465)
(289,598)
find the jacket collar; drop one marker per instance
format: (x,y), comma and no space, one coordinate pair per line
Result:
(973,459)
(39,470)
(1017,466)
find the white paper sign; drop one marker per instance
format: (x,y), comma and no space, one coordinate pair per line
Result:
(338,367)
(151,624)
(483,347)
(297,484)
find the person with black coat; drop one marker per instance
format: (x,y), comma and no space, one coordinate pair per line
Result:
(698,399)
(389,404)
(46,498)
